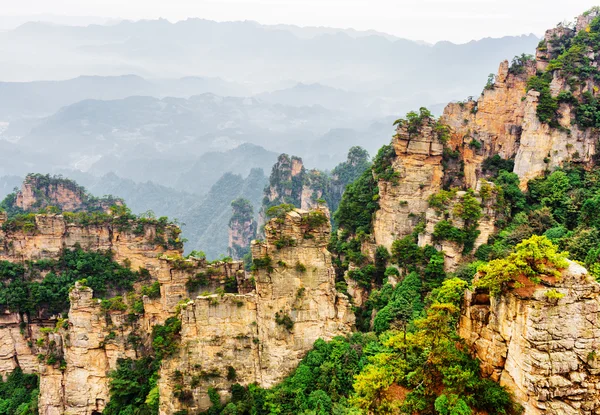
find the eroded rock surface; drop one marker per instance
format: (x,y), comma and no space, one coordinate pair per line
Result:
(542,349)
(261,336)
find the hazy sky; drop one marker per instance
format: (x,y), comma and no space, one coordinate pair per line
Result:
(430,20)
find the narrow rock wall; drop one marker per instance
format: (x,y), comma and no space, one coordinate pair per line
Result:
(418,163)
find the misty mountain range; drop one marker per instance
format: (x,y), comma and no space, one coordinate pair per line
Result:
(167,114)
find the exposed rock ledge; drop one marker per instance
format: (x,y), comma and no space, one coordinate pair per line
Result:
(544,350)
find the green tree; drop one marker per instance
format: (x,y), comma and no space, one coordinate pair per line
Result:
(531,258)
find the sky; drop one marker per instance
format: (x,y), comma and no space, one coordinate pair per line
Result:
(458,21)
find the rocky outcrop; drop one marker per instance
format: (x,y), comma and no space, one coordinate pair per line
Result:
(47,235)
(542,347)
(90,349)
(242,228)
(75,355)
(286,182)
(543,148)
(39,191)
(503,121)
(418,164)
(495,121)
(261,336)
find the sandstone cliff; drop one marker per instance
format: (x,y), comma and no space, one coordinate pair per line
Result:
(541,347)
(504,121)
(261,336)
(39,192)
(417,163)
(238,328)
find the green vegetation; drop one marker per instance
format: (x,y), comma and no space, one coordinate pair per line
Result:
(242,220)
(493,165)
(262,263)
(283,319)
(547,105)
(421,356)
(314,220)
(430,365)
(133,385)
(415,120)
(517,66)
(279,211)
(468,209)
(533,258)
(242,211)
(382,165)
(440,200)
(45,187)
(358,205)
(576,67)
(22,290)
(321,384)
(152,291)
(19,394)
(284,183)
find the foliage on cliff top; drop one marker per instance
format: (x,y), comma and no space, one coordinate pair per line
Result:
(44,187)
(414,121)
(285,183)
(519,62)
(533,258)
(572,63)
(167,233)
(243,211)
(328,186)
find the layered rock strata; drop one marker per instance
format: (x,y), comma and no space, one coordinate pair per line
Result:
(542,347)
(261,336)
(418,164)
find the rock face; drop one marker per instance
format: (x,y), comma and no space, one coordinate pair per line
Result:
(286,182)
(290,183)
(418,163)
(502,121)
(242,228)
(543,349)
(50,234)
(261,336)
(257,335)
(495,120)
(82,387)
(39,191)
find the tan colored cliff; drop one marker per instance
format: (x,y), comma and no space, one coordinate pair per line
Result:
(91,340)
(505,122)
(38,191)
(241,232)
(502,121)
(261,336)
(418,163)
(48,235)
(495,120)
(544,350)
